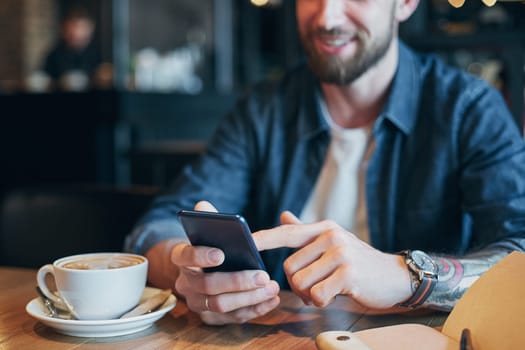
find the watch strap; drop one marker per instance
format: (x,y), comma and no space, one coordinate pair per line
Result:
(426,285)
(422,284)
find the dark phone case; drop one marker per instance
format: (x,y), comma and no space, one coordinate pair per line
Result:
(228,232)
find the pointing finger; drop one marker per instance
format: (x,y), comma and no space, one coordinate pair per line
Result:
(291,235)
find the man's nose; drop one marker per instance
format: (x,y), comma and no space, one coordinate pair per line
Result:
(331,13)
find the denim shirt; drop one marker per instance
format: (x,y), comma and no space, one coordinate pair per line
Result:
(447,175)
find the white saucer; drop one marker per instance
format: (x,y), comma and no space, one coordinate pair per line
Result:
(101,328)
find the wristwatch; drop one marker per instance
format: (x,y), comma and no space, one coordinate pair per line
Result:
(424,273)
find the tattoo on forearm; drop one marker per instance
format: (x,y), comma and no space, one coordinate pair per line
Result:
(456,275)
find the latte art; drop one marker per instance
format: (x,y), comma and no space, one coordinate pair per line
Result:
(102,262)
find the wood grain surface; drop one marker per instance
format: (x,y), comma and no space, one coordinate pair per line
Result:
(291,326)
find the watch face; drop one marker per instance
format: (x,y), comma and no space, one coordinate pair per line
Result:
(423,261)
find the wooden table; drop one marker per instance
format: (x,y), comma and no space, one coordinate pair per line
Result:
(291,326)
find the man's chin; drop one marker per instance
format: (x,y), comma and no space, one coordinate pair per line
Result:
(334,74)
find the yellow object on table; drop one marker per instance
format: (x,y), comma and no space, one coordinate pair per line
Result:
(492,310)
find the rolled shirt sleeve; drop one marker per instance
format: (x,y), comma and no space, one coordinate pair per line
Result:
(145,236)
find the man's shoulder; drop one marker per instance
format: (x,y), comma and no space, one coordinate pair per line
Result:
(433,70)
(288,100)
(427,90)
(283,96)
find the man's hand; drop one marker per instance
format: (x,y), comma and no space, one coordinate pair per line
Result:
(333,261)
(221,297)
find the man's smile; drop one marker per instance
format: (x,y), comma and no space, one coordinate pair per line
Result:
(334,44)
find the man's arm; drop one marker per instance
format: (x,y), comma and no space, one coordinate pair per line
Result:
(456,275)
(162,272)
(491,154)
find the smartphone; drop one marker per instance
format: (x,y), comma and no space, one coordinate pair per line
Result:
(228,232)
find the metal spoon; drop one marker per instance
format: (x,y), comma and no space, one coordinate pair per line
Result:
(146,306)
(54,311)
(149,304)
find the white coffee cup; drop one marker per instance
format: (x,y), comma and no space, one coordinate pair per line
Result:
(98,286)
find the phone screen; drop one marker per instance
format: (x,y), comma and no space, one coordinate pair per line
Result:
(228,232)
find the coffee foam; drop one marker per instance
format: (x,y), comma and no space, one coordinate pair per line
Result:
(102,262)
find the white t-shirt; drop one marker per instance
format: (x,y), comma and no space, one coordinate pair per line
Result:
(339,193)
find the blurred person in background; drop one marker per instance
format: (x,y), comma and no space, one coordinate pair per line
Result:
(74,62)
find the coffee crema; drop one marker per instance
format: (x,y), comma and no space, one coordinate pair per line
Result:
(102,262)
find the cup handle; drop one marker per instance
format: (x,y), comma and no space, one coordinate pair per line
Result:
(41,281)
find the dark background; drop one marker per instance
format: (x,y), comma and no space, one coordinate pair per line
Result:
(121,136)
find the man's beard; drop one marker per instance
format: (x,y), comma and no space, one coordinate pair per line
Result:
(335,70)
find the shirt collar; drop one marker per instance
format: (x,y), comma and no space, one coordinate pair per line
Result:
(400,108)
(311,121)
(402,103)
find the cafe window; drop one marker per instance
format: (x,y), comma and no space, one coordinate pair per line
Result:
(208,45)
(171,45)
(155,45)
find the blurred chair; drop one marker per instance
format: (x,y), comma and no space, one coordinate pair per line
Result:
(39,225)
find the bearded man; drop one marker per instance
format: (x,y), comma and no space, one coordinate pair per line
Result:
(371,171)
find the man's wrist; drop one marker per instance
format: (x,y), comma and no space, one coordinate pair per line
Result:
(423,273)
(162,272)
